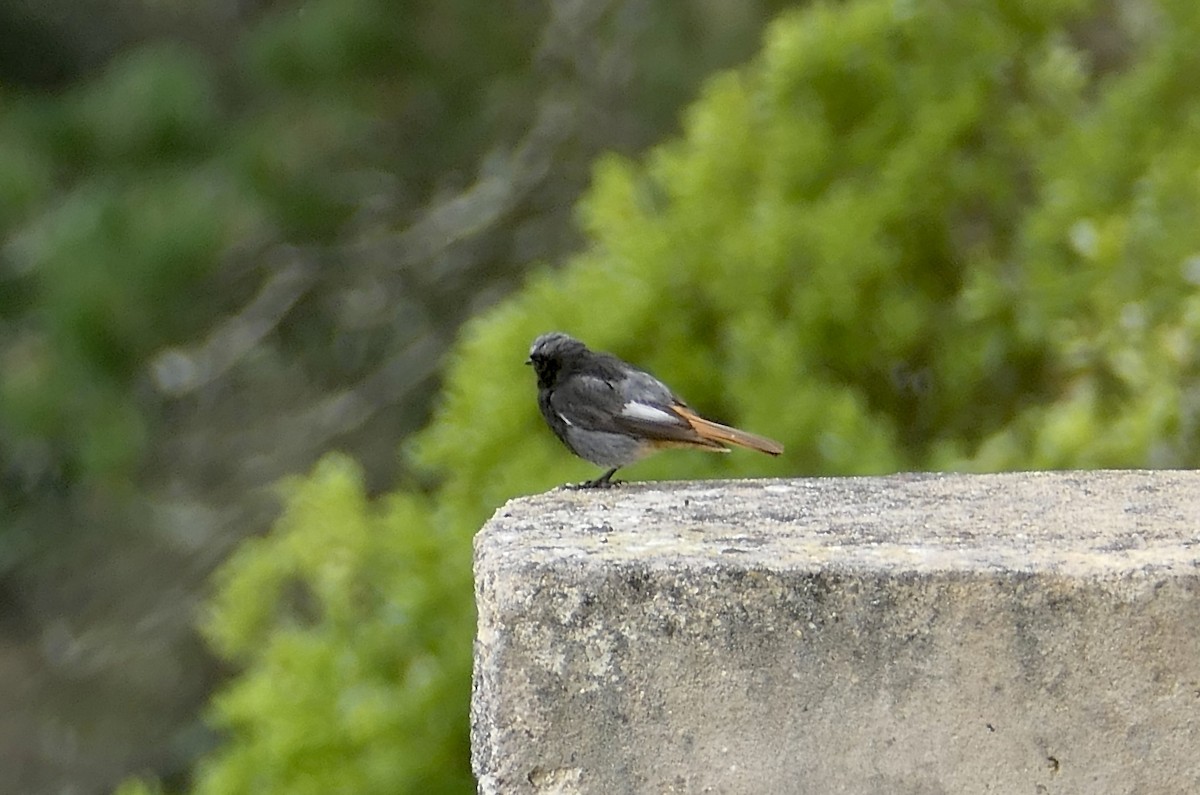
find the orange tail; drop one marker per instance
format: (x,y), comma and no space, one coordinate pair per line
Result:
(716,432)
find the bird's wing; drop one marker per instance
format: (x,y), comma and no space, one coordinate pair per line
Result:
(661,424)
(587,402)
(633,404)
(650,408)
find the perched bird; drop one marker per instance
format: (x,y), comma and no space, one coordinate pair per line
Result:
(611,413)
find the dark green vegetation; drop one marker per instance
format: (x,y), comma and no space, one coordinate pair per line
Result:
(236,235)
(906,236)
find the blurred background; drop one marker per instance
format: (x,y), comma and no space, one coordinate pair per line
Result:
(242,235)
(236,235)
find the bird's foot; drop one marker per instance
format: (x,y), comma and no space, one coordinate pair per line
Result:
(605,481)
(595,484)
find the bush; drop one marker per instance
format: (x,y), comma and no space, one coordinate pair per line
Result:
(353,628)
(906,237)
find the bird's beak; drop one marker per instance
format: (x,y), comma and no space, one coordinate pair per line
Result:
(529,361)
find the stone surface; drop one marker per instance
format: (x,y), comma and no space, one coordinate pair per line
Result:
(1019,633)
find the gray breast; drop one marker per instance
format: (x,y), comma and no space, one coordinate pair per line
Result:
(605,449)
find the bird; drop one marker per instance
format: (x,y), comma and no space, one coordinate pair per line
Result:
(612,413)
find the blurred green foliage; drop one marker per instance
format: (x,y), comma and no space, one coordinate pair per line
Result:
(103,255)
(349,621)
(121,196)
(908,236)
(165,166)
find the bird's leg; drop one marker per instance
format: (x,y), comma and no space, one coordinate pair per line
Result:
(605,481)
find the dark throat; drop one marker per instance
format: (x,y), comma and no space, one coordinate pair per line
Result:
(547,372)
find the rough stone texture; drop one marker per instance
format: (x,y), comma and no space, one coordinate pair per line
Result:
(1020,633)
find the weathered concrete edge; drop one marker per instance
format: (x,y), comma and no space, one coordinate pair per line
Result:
(597,530)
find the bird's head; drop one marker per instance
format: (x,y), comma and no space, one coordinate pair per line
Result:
(549,354)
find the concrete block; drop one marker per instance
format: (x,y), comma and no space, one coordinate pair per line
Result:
(908,635)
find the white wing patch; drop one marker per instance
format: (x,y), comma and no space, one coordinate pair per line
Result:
(563,417)
(641,411)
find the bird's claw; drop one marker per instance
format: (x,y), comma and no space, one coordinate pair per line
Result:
(598,483)
(605,481)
